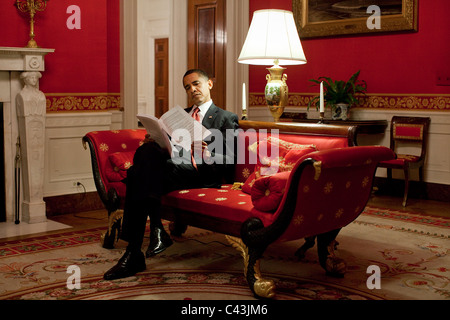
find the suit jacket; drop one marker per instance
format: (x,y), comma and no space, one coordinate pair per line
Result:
(223,158)
(217,118)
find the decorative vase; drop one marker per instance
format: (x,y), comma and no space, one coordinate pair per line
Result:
(276,92)
(340,111)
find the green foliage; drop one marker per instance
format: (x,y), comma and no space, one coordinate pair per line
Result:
(338,91)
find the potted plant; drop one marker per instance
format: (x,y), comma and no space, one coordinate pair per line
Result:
(339,95)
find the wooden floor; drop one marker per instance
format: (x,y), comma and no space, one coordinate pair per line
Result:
(98,218)
(419,206)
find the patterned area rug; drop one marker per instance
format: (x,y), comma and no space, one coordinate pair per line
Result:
(410,250)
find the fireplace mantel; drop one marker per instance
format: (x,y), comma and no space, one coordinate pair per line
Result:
(13,63)
(23,59)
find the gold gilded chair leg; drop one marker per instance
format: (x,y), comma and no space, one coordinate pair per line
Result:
(111,236)
(261,287)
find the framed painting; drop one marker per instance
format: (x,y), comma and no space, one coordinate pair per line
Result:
(325,18)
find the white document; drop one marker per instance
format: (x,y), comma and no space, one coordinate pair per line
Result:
(156,132)
(176,123)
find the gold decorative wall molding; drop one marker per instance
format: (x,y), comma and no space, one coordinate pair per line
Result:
(72,102)
(429,102)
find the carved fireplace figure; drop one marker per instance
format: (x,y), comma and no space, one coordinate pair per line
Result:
(24,113)
(31,108)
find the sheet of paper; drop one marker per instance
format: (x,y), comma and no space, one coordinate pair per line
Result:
(177,118)
(157,133)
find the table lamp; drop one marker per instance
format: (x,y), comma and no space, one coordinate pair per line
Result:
(273,39)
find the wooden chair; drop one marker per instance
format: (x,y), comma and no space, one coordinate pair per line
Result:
(407,131)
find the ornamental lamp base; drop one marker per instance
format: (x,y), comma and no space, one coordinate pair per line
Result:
(276,92)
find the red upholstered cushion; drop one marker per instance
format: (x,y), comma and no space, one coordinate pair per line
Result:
(247,160)
(275,155)
(408,131)
(268,191)
(225,203)
(114,176)
(408,157)
(272,154)
(108,142)
(248,184)
(122,160)
(293,155)
(120,163)
(401,160)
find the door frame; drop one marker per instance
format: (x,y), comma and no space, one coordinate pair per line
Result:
(237,21)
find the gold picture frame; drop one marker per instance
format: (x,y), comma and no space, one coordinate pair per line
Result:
(325,18)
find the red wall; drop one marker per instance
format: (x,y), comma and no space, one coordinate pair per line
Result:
(86,60)
(397,63)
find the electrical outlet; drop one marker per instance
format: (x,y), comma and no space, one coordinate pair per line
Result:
(443,79)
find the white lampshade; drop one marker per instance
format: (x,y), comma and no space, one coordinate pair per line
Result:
(272,36)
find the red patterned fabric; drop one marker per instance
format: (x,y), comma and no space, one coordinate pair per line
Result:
(226,203)
(323,201)
(332,191)
(247,160)
(408,131)
(248,184)
(120,163)
(110,142)
(115,176)
(122,160)
(268,191)
(294,155)
(275,155)
(272,154)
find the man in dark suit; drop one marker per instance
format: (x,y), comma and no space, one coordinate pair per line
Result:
(155,172)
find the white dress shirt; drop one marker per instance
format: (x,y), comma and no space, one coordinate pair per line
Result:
(203,109)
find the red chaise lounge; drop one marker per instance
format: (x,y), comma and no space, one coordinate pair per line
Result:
(324,183)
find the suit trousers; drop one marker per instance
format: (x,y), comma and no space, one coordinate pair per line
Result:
(152,175)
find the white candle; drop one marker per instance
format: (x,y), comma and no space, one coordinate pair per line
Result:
(322,106)
(244,99)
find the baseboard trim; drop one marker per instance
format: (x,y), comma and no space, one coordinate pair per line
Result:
(73,203)
(417,190)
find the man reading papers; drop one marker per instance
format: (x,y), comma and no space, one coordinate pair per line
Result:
(164,166)
(177,124)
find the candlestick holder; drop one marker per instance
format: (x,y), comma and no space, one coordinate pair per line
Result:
(31,7)
(244,114)
(321,117)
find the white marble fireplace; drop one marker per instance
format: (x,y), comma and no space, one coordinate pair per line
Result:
(24,110)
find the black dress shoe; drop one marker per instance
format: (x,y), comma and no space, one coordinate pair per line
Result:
(130,264)
(159,241)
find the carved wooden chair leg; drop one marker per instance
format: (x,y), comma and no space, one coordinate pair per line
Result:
(112,235)
(326,245)
(405,194)
(261,288)
(309,243)
(177,228)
